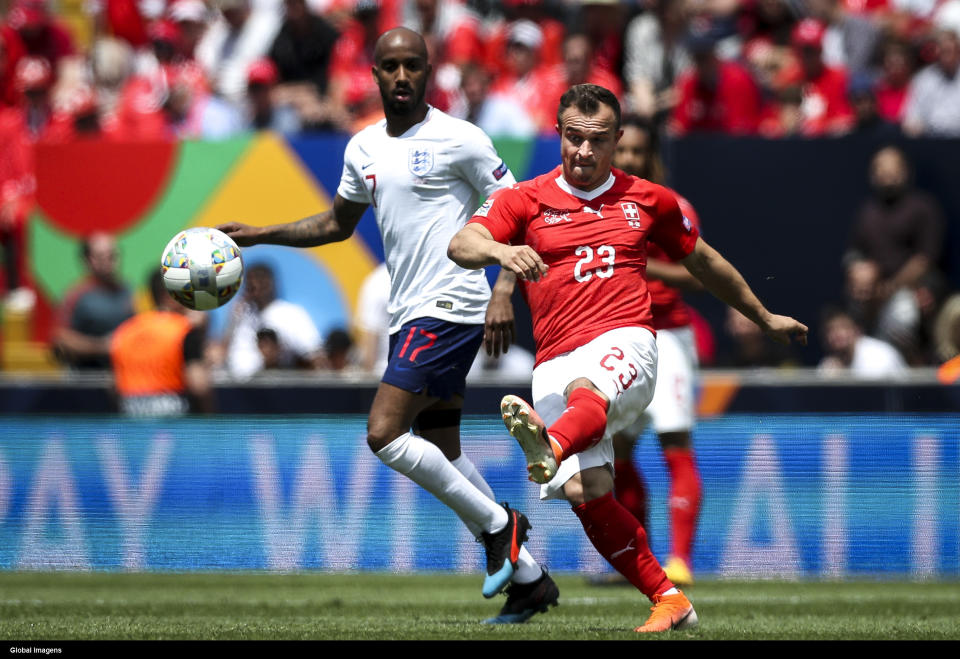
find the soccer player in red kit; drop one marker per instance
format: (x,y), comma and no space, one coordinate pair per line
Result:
(577,240)
(671,412)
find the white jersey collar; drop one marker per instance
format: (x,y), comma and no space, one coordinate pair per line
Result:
(586,195)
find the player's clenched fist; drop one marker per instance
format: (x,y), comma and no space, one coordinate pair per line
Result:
(242,234)
(784,328)
(522,261)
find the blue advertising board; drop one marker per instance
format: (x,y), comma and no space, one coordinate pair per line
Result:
(784,497)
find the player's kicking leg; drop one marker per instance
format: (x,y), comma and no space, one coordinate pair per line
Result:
(577,417)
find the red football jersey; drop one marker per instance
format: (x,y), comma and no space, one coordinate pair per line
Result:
(669,309)
(596,251)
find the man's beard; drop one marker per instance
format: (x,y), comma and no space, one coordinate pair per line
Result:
(402,108)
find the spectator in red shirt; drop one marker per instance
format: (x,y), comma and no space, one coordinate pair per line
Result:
(603,22)
(122,19)
(191,17)
(826,109)
(553,30)
(11,50)
(33,81)
(716,95)
(451,30)
(528,83)
(784,116)
(351,85)
(19,128)
(578,67)
(897,65)
(41,34)
(76,115)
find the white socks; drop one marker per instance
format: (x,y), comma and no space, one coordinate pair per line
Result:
(528,570)
(457,484)
(425,465)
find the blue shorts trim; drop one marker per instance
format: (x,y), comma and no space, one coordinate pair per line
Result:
(432,356)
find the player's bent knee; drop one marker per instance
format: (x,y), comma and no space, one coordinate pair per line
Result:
(588,485)
(680,439)
(573,491)
(378,439)
(583,383)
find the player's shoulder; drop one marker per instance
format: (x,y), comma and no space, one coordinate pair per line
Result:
(367,137)
(639,189)
(456,132)
(534,188)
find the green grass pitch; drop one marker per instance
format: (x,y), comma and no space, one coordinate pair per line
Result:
(111,606)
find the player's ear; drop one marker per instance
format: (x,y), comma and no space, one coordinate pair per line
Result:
(619,135)
(556,127)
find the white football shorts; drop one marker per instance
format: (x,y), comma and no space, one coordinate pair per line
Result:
(673,406)
(621,363)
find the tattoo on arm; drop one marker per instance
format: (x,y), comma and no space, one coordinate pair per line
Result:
(331,226)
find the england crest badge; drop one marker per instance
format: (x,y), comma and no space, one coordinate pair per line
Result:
(420,160)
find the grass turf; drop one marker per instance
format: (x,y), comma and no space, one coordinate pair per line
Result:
(65,606)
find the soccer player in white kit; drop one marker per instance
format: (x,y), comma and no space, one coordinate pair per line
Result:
(424,173)
(576,237)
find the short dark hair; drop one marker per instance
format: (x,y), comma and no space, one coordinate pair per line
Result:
(261,269)
(644,125)
(832,312)
(587,98)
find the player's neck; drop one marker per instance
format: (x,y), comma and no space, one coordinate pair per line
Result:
(397,125)
(581,193)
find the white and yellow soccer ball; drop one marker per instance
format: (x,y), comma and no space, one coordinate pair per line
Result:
(202,268)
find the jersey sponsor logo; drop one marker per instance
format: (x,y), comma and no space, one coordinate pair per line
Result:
(365,166)
(484,209)
(632,214)
(551,216)
(598,212)
(500,171)
(445,304)
(420,160)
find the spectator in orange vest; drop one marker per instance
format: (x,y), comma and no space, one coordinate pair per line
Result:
(157,359)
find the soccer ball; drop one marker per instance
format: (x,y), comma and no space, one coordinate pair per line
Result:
(202,268)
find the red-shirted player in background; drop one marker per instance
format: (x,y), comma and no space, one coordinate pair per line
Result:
(671,412)
(577,239)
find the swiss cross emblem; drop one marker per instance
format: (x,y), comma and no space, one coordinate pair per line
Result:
(632,213)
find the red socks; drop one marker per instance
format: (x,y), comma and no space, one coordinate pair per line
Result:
(684,499)
(631,491)
(582,424)
(621,540)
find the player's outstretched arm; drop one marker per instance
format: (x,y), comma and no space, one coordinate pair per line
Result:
(331,226)
(474,247)
(723,280)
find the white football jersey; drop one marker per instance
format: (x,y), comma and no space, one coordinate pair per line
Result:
(424,185)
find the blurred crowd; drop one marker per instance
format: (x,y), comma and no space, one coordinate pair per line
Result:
(210,69)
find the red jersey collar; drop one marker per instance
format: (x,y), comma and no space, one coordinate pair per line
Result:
(551,194)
